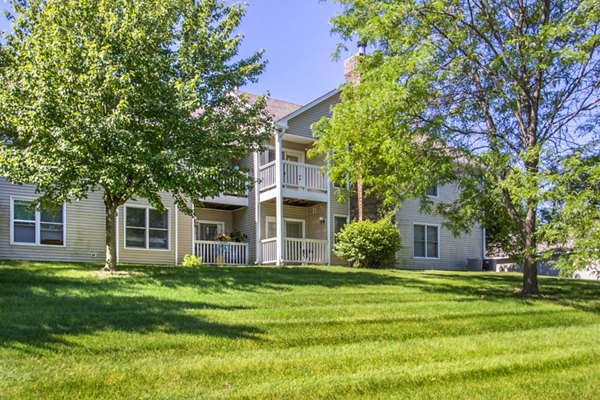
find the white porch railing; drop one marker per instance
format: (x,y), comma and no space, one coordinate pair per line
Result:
(303,251)
(295,175)
(226,253)
(269,250)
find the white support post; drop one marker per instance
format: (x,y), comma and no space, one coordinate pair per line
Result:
(257,209)
(176,235)
(117,229)
(328,219)
(279,197)
(194,231)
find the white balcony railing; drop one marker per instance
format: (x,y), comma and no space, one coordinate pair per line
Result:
(226,253)
(304,251)
(267,176)
(295,175)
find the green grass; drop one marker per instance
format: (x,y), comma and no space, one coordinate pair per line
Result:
(283,333)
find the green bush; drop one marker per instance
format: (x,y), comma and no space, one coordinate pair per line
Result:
(191,261)
(368,244)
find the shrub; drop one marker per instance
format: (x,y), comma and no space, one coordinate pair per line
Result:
(368,244)
(191,261)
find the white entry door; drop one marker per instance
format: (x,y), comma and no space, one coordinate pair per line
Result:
(293,174)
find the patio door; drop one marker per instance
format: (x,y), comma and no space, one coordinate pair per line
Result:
(294,229)
(293,173)
(207,230)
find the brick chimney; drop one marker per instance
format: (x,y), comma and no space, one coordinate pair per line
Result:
(350,65)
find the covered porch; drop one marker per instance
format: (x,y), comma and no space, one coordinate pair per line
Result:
(302,238)
(220,236)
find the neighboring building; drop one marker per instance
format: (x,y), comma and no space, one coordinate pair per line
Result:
(290,216)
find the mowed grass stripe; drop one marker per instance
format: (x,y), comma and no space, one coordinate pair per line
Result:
(264,332)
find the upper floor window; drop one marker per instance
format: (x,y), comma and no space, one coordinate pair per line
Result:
(432,191)
(30,226)
(146,228)
(426,241)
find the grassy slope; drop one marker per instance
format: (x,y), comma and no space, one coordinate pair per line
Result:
(292,333)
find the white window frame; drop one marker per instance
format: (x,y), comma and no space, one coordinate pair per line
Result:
(439,247)
(38,224)
(269,218)
(146,228)
(437,192)
(338,216)
(299,153)
(220,226)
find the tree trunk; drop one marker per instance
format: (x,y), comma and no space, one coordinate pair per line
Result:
(110,263)
(359,190)
(530,281)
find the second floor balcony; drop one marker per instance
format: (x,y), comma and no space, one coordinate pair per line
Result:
(298,180)
(231,200)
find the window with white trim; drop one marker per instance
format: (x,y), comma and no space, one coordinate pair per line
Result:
(146,228)
(30,226)
(432,191)
(426,241)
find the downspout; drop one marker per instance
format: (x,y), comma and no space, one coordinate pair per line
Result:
(117,234)
(176,235)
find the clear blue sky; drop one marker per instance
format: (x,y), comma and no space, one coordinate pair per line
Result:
(295,35)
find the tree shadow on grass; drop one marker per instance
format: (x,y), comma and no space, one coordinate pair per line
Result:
(246,278)
(38,309)
(583,295)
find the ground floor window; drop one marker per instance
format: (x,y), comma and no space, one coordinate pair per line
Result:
(339,221)
(30,226)
(426,241)
(292,228)
(146,228)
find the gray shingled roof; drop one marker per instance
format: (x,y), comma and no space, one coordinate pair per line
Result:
(277,108)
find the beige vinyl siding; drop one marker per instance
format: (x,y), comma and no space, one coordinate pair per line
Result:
(185,239)
(337,208)
(453,251)
(84,225)
(243,221)
(210,214)
(300,124)
(245,218)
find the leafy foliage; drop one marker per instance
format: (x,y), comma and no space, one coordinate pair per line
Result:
(132,98)
(190,260)
(573,229)
(488,95)
(368,244)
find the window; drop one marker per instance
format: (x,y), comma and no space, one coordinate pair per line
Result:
(426,241)
(146,228)
(207,230)
(339,222)
(293,228)
(432,191)
(36,227)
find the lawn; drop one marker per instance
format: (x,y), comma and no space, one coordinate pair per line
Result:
(264,332)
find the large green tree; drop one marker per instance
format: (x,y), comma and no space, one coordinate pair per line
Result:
(489,94)
(128,97)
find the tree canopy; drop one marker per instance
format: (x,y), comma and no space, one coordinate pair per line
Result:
(131,98)
(490,95)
